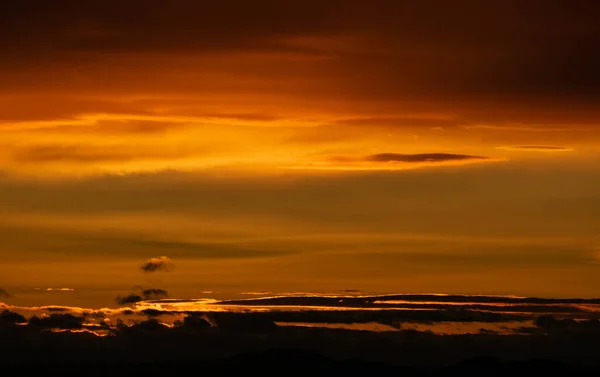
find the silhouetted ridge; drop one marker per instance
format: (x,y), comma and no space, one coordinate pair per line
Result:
(380,300)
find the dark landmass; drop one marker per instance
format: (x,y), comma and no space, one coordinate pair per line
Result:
(240,343)
(282,362)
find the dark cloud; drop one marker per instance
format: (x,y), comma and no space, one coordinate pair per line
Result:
(552,325)
(421,157)
(128,299)
(195,322)
(143,295)
(151,325)
(60,321)
(56,309)
(350,300)
(161,263)
(154,294)
(4,293)
(6,316)
(424,306)
(152,312)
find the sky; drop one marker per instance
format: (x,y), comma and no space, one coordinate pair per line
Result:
(388,146)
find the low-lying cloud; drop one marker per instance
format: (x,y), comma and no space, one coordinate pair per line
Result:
(143,295)
(131,298)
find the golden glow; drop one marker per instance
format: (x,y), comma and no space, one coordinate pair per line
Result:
(304,149)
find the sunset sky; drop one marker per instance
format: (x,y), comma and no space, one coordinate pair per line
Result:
(285,146)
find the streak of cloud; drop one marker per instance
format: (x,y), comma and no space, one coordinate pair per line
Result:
(536,148)
(393,161)
(421,157)
(86,154)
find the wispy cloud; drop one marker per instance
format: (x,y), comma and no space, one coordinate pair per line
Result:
(536,148)
(87,154)
(55,289)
